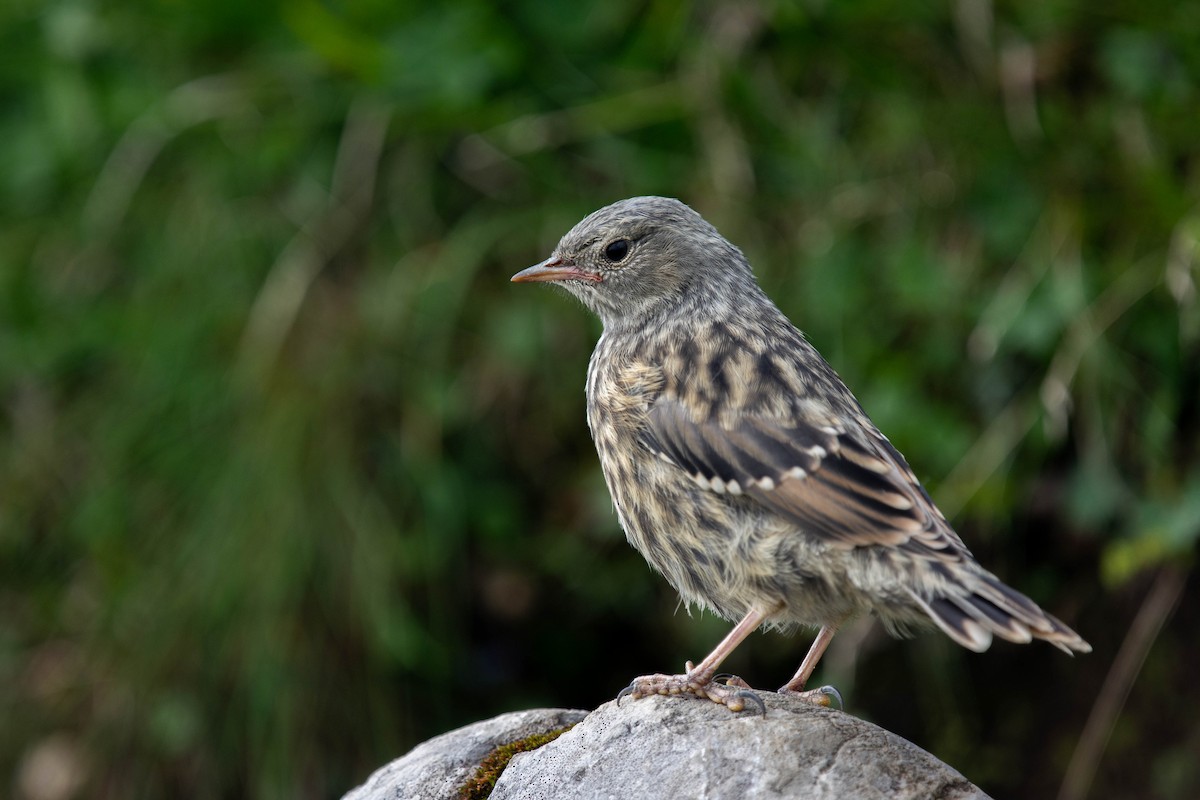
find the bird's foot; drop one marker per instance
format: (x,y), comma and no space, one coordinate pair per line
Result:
(825,697)
(734,693)
(732,680)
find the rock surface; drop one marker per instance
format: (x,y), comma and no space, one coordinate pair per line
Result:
(669,747)
(438,767)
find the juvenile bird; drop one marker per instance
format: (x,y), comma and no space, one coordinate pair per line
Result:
(741,466)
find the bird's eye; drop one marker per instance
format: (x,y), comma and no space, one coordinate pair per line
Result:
(616,250)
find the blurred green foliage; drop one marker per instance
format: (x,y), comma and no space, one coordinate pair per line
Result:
(292,479)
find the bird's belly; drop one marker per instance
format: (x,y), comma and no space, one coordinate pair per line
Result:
(728,554)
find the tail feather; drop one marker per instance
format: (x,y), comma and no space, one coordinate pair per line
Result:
(996,619)
(958,625)
(986,608)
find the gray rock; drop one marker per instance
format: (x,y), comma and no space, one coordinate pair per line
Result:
(678,747)
(438,767)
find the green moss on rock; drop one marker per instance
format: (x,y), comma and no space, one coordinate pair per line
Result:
(480,785)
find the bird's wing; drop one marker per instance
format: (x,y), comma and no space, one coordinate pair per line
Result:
(855,493)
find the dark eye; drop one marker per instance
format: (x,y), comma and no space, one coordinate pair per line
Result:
(617,250)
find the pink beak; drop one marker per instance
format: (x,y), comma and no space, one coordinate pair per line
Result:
(555,268)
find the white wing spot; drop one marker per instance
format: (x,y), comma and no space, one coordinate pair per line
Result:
(733,487)
(877,465)
(765,483)
(795,472)
(718,485)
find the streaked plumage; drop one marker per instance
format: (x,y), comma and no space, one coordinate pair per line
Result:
(742,467)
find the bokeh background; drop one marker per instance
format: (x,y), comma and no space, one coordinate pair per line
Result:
(292,478)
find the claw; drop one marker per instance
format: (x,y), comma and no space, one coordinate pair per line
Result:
(628,690)
(729,679)
(746,694)
(832,694)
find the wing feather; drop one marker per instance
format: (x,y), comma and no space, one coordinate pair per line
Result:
(854,492)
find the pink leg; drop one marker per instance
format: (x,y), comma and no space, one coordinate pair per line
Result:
(826,695)
(699,679)
(708,667)
(824,637)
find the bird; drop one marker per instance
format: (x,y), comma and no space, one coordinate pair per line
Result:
(742,467)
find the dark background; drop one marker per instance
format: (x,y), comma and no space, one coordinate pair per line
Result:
(292,478)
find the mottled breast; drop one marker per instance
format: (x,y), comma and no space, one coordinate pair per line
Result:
(714,550)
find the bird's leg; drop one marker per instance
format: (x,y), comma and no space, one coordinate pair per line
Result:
(698,679)
(826,695)
(824,637)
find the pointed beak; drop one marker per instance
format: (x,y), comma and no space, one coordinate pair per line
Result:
(555,268)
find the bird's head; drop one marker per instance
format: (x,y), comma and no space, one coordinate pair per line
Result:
(640,257)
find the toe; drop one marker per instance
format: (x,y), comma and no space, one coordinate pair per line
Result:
(825,697)
(746,696)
